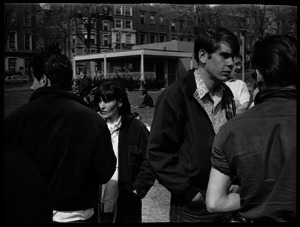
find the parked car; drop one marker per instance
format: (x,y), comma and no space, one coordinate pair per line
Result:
(15,79)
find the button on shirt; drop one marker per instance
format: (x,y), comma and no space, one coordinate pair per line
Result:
(210,102)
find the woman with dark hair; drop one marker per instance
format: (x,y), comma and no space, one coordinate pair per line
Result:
(121,199)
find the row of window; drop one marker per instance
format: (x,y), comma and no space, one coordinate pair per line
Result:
(153,38)
(123,10)
(152,19)
(116,37)
(12,41)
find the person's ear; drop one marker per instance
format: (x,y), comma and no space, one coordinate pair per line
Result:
(44,81)
(258,76)
(203,55)
(120,103)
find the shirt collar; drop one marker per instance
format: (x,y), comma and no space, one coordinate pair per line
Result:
(201,87)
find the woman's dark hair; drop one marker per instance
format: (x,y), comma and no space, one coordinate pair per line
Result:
(211,39)
(56,67)
(110,91)
(275,57)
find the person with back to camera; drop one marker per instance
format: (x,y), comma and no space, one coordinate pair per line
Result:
(133,178)
(187,116)
(259,146)
(68,143)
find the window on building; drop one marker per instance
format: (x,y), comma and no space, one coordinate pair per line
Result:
(128,24)
(12,64)
(118,10)
(105,25)
(12,18)
(161,20)
(142,18)
(181,38)
(162,38)
(105,40)
(173,26)
(74,39)
(128,38)
(128,10)
(105,10)
(12,40)
(152,38)
(173,37)
(92,38)
(180,12)
(118,23)
(188,27)
(27,18)
(180,26)
(143,38)
(189,39)
(152,18)
(118,37)
(27,41)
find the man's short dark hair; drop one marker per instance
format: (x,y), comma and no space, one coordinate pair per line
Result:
(211,39)
(275,57)
(56,67)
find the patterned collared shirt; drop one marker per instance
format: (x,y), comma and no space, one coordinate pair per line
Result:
(212,103)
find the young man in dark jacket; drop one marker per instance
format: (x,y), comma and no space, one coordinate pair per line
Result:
(68,142)
(187,116)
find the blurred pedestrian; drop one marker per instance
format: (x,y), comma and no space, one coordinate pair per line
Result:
(240,91)
(259,146)
(122,195)
(147,101)
(85,85)
(68,143)
(187,116)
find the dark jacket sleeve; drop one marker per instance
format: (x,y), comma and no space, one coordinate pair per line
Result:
(167,143)
(146,177)
(104,155)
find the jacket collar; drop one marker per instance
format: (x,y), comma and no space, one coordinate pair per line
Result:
(191,86)
(190,82)
(45,92)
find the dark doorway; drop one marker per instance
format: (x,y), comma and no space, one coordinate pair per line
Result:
(160,70)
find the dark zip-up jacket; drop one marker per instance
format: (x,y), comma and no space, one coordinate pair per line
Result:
(135,172)
(68,143)
(180,141)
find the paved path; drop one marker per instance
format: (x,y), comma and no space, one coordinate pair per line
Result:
(156,204)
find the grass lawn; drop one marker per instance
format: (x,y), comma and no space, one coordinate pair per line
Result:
(18,95)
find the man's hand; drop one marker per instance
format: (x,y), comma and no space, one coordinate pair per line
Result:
(233,188)
(198,200)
